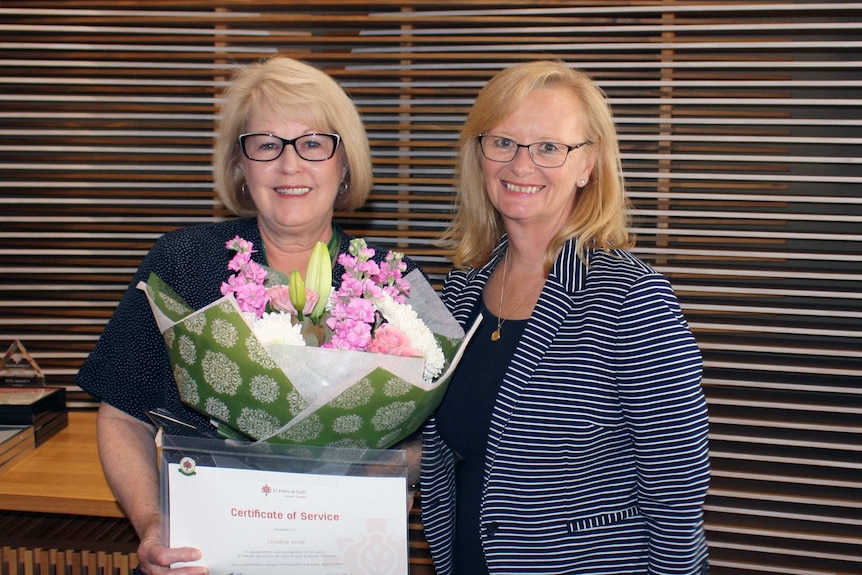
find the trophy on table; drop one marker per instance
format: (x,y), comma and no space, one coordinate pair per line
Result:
(19,369)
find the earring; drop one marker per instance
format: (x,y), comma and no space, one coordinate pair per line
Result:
(244,189)
(583,183)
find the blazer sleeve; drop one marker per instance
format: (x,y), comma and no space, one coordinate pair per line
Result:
(659,371)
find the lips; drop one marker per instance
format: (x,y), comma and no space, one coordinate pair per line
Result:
(521,189)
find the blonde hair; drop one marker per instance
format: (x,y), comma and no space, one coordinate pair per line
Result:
(600,215)
(292,89)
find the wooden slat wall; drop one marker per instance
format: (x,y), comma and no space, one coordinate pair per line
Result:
(739,123)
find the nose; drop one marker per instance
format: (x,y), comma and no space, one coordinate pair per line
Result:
(523,161)
(290,160)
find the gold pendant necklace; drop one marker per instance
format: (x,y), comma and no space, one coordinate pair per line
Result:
(529,294)
(496,334)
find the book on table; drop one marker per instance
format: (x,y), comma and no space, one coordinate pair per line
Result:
(15,442)
(43,408)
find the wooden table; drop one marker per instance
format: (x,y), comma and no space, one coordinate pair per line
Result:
(63,475)
(57,513)
(60,491)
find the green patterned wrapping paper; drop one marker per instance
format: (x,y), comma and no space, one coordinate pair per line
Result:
(293,394)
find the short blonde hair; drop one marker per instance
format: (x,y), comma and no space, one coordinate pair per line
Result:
(292,89)
(600,214)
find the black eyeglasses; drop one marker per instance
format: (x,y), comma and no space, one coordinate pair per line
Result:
(269,147)
(544,154)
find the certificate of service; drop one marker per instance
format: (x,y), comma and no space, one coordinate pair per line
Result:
(267,522)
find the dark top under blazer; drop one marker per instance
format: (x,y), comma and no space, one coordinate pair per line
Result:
(597,456)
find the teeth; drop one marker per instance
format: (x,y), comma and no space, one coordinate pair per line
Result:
(293,191)
(522,189)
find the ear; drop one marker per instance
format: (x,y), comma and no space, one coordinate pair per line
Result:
(584,174)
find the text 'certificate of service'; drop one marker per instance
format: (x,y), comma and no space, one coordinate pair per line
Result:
(255,522)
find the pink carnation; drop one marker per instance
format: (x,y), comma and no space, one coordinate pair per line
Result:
(279,298)
(390,340)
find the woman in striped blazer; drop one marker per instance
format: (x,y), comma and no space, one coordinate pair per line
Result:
(573,436)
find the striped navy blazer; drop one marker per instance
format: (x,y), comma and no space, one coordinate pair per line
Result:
(597,457)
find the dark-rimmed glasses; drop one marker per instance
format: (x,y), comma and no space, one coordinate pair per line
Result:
(316,147)
(544,154)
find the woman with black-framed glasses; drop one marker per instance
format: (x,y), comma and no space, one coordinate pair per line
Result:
(291,150)
(572,438)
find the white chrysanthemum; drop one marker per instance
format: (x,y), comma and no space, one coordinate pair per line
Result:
(404,318)
(276,328)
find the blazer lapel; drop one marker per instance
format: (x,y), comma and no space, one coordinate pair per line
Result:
(554,305)
(463,309)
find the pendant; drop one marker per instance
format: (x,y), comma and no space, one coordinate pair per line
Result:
(495,335)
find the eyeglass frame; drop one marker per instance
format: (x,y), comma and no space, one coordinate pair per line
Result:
(285,143)
(518,146)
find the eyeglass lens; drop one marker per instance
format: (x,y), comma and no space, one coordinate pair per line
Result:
(268,147)
(544,154)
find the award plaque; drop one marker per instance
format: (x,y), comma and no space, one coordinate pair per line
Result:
(18,368)
(273,509)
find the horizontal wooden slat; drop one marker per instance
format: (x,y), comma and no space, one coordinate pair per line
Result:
(739,131)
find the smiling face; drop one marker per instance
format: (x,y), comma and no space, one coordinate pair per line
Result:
(292,196)
(540,199)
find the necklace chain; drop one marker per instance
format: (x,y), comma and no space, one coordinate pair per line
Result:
(498,333)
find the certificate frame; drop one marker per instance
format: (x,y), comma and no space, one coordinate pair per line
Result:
(271,509)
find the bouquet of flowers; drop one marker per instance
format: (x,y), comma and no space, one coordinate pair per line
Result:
(299,363)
